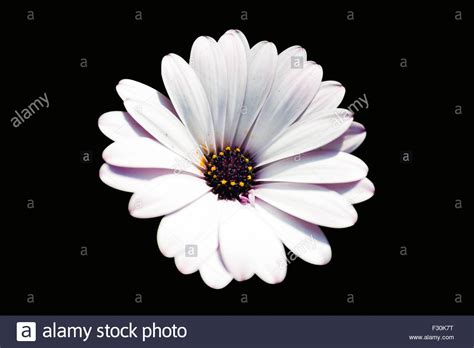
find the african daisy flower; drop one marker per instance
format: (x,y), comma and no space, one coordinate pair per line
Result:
(249,153)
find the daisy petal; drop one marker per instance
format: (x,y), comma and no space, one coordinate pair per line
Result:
(286,102)
(204,246)
(287,60)
(318,167)
(139,92)
(118,125)
(128,179)
(166,194)
(189,98)
(262,65)
(213,272)
(305,240)
(242,39)
(248,245)
(312,203)
(269,254)
(329,97)
(190,225)
(349,141)
(146,153)
(354,192)
(200,235)
(207,60)
(166,128)
(234,241)
(305,136)
(235,54)
(256,48)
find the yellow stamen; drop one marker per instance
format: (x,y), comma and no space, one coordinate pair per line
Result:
(221,153)
(250,168)
(213,168)
(214,156)
(232,183)
(237,149)
(249,177)
(209,173)
(223,182)
(247,160)
(241,184)
(227,148)
(214,176)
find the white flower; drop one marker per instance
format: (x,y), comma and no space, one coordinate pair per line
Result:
(250,153)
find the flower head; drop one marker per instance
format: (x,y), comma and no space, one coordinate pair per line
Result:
(249,153)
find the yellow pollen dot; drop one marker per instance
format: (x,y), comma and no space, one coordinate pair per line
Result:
(214,156)
(241,184)
(213,168)
(227,148)
(237,149)
(232,183)
(249,177)
(209,173)
(223,182)
(250,168)
(247,160)
(214,176)
(221,153)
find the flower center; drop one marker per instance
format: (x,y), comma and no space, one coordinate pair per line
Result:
(230,173)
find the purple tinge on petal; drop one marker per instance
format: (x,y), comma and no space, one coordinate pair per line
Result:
(349,141)
(118,125)
(129,179)
(355,192)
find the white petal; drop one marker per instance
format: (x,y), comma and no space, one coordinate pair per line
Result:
(256,48)
(289,59)
(235,241)
(193,224)
(189,99)
(318,167)
(146,153)
(312,203)
(207,60)
(329,97)
(305,136)
(354,192)
(118,125)
(166,128)
(213,272)
(349,141)
(166,194)
(305,240)
(139,92)
(198,223)
(235,53)
(248,245)
(286,102)
(128,179)
(242,39)
(262,65)
(269,254)
(205,245)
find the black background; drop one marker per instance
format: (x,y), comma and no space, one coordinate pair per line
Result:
(410,109)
